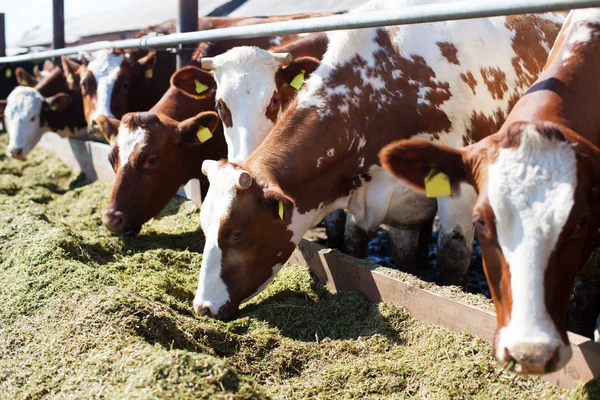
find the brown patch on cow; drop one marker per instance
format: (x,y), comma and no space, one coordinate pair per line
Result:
(495,80)
(224,113)
(470,80)
(530,59)
(449,51)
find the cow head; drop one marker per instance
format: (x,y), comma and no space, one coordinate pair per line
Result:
(247,239)
(536,219)
(254,87)
(106,79)
(26,115)
(149,155)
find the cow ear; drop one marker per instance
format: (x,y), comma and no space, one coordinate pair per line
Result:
(109,127)
(2,107)
(297,71)
(412,161)
(146,64)
(194,81)
(58,102)
(25,78)
(280,205)
(198,129)
(71,71)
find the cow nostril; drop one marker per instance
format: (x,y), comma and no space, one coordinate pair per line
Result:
(203,311)
(113,220)
(16,151)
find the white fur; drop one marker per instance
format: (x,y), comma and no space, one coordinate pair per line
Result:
(105,66)
(245,82)
(212,291)
(127,141)
(531,190)
(578,31)
(23,105)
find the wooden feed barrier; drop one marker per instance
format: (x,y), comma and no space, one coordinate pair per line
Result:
(341,272)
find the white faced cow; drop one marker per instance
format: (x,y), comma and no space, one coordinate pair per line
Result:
(538,208)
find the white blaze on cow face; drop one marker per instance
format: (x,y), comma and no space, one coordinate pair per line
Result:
(23,111)
(212,292)
(531,191)
(128,140)
(105,66)
(245,83)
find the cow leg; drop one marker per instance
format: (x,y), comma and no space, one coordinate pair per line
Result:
(455,239)
(404,242)
(335,223)
(356,239)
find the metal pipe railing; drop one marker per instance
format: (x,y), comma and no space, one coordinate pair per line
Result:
(401,16)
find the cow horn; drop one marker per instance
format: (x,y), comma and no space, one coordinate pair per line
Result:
(207,63)
(283,58)
(243,180)
(83,58)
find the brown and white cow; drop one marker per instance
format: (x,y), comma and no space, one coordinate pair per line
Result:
(114,82)
(154,153)
(192,91)
(538,208)
(49,106)
(374,86)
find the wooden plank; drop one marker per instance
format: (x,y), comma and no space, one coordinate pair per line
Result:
(91,158)
(341,272)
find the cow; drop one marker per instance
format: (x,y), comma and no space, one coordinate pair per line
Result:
(114,82)
(163,136)
(446,82)
(49,106)
(192,91)
(538,207)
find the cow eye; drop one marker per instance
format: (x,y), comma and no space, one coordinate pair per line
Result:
(274,102)
(32,118)
(479,222)
(237,234)
(152,161)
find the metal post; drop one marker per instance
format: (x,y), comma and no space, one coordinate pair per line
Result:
(58,24)
(187,21)
(2,36)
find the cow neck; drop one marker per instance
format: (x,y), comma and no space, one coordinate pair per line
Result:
(179,106)
(213,149)
(566,92)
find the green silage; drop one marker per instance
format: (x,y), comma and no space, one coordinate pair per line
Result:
(85,314)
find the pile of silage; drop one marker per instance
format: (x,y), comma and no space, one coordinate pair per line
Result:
(84,314)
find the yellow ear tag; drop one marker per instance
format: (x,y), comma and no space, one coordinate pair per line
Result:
(298,80)
(111,141)
(200,87)
(53,107)
(203,134)
(148,73)
(437,184)
(280,209)
(8,72)
(24,82)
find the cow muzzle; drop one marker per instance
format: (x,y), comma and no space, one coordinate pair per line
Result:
(16,152)
(534,358)
(116,222)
